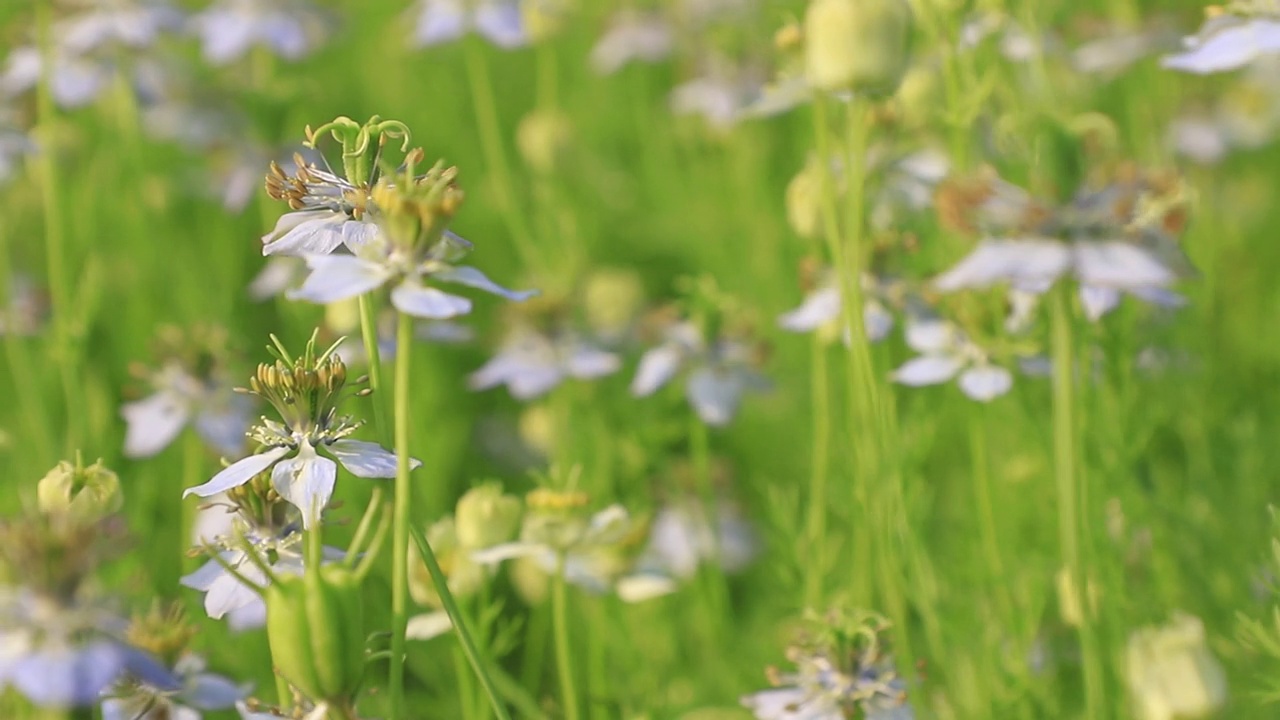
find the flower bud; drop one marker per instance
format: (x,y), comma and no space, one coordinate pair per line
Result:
(542,138)
(486,517)
(84,494)
(315,625)
(1172,674)
(804,200)
(858,45)
(464,575)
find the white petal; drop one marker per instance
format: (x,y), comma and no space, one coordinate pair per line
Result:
(471,277)
(507,551)
(239,473)
(366,459)
(494,372)
(224,426)
(643,586)
(876,320)
(203,578)
(790,704)
(227,594)
(225,34)
(428,625)
(1120,264)
(154,422)
(212,692)
(985,382)
(585,361)
(439,22)
(250,616)
(657,367)
(317,232)
(339,277)
(930,335)
(993,261)
(278,274)
(1098,301)
(715,394)
(927,370)
(528,381)
(501,23)
(356,234)
(1227,48)
(819,308)
(307,482)
(1158,296)
(62,675)
(412,298)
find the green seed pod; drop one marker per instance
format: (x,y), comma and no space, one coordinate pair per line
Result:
(486,516)
(315,625)
(86,494)
(859,45)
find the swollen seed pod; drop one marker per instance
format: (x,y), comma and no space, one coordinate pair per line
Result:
(858,45)
(315,626)
(487,517)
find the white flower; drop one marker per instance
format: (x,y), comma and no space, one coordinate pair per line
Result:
(821,309)
(228,29)
(681,539)
(278,274)
(1227,42)
(219,415)
(631,37)
(329,214)
(498,21)
(200,691)
(377,263)
(125,23)
(75,81)
(820,690)
(1112,54)
(946,353)
(719,374)
(531,363)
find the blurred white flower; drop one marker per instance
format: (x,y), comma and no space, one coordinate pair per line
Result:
(220,416)
(501,22)
(229,29)
(200,691)
(821,309)
(720,373)
(631,37)
(681,538)
(946,353)
(530,363)
(1172,673)
(129,23)
(1228,42)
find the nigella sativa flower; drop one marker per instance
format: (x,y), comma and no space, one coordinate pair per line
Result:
(199,691)
(530,363)
(125,23)
(682,536)
(821,309)
(328,211)
(1228,41)
(229,29)
(305,391)
(946,353)
(501,22)
(598,552)
(1119,238)
(631,37)
(720,372)
(844,673)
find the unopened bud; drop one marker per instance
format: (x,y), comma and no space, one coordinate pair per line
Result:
(804,200)
(85,494)
(1172,673)
(315,625)
(486,517)
(858,45)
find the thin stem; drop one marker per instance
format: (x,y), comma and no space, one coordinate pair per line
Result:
(982,498)
(1066,479)
(400,518)
(564,667)
(495,156)
(816,564)
(369,333)
(715,593)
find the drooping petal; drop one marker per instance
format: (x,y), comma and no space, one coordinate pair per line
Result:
(657,367)
(366,459)
(495,372)
(930,335)
(316,232)
(58,674)
(307,482)
(1121,265)
(585,361)
(412,298)
(715,394)
(819,308)
(440,21)
(994,261)
(471,277)
(239,473)
(428,625)
(1160,297)
(338,277)
(203,577)
(153,422)
(1098,301)
(356,234)
(248,617)
(227,594)
(876,320)
(985,383)
(280,273)
(1227,48)
(927,370)
(501,23)
(212,692)
(791,703)
(225,34)
(531,380)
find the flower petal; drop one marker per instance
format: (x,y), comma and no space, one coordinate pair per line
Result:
(471,277)
(927,370)
(507,551)
(994,261)
(223,425)
(715,394)
(366,459)
(307,482)
(212,692)
(428,625)
(338,277)
(1120,264)
(57,674)
(657,367)
(280,273)
(985,383)
(501,23)
(440,22)
(1226,48)
(238,473)
(204,576)
(643,586)
(930,335)
(819,308)
(1098,301)
(585,361)
(318,232)
(412,298)
(154,422)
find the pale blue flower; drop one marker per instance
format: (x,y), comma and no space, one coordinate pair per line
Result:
(75,81)
(681,538)
(498,21)
(1227,42)
(821,309)
(531,363)
(200,691)
(631,37)
(946,354)
(62,655)
(219,415)
(123,23)
(719,374)
(229,29)
(820,690)
(377,263)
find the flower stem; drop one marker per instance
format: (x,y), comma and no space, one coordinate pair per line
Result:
(715,594)
(1068,481)
(564,668)
(815,565)
(400,516)
(369,333)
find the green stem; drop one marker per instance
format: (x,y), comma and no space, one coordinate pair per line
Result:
(982,498)
(1068,481)
(369,333)
(564,667)
(402,502)
(715,595)
(816,564)
(495,156)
